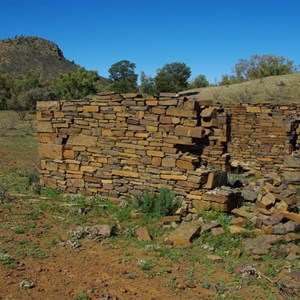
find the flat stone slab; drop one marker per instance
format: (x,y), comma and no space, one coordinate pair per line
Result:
(142,234)
(170,219)
(261,242)
(184,233)
(215,258)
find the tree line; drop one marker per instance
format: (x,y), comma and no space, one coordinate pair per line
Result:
(21,93)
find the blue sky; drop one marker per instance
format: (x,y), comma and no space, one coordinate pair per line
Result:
(208,35)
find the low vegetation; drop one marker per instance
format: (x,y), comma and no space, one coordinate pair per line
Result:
(46,242)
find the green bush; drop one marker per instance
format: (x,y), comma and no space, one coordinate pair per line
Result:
(158,204)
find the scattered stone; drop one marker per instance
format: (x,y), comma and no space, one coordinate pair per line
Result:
(217,231)
(241,222)
(238,230)
(142,234)
(241,212)
(101,231)
(250,195)
(266,202)
(215,258)
(170,219)
(185,232)
(190,284)
(261,243)
(209,226)
(181,286)
(291,226)
(289,215)
(279,229)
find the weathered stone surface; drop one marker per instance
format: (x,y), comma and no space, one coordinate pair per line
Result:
(217,231)
(47,105)
(142,234)
(50,151)
(125,173)
(184,233)
(101,231)
(250,195)
(196,132)
(75,182)
(292,161)
(170,219)
(289,215)
(181,112)
(267,201)
(123,144)
(241,212)
(83,140)
(174,177)
(209,226)
(238,230)
(216,179)
(209,112)
(168,162)
(292,176)
(261,244)
(215,258)
(45,127)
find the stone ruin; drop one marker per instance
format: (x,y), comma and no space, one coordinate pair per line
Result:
(119,145)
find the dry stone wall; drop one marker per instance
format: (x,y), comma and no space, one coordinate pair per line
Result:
(118,145)
(262,135)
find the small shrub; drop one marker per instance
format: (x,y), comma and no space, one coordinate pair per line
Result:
(82,296)
(6,259)
(32,177)
(160,204)
(146,265)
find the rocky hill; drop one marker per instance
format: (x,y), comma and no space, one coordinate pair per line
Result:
(33,53)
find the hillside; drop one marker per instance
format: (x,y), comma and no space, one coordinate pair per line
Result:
(268,89)
(33,53)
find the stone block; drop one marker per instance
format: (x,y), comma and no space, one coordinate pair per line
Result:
(266,202)
(184,233)
(168,162)
(217,231)
(173,177)
(75,182)
(89,169)
(292,161)
(125,173)
(209,112)
(142,234)
(170,219)
(83,140)
(90,108)
(196,132)
(176,112)
(48,105)
(216,179)
(185,165)
(50,151)
(155,153)
(44,127)
(253,109)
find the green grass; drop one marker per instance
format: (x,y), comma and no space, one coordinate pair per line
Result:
(269,89)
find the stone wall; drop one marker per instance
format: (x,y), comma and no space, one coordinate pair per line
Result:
(118,145)
(261,135)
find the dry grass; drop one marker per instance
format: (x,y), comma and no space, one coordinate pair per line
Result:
(269,89)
